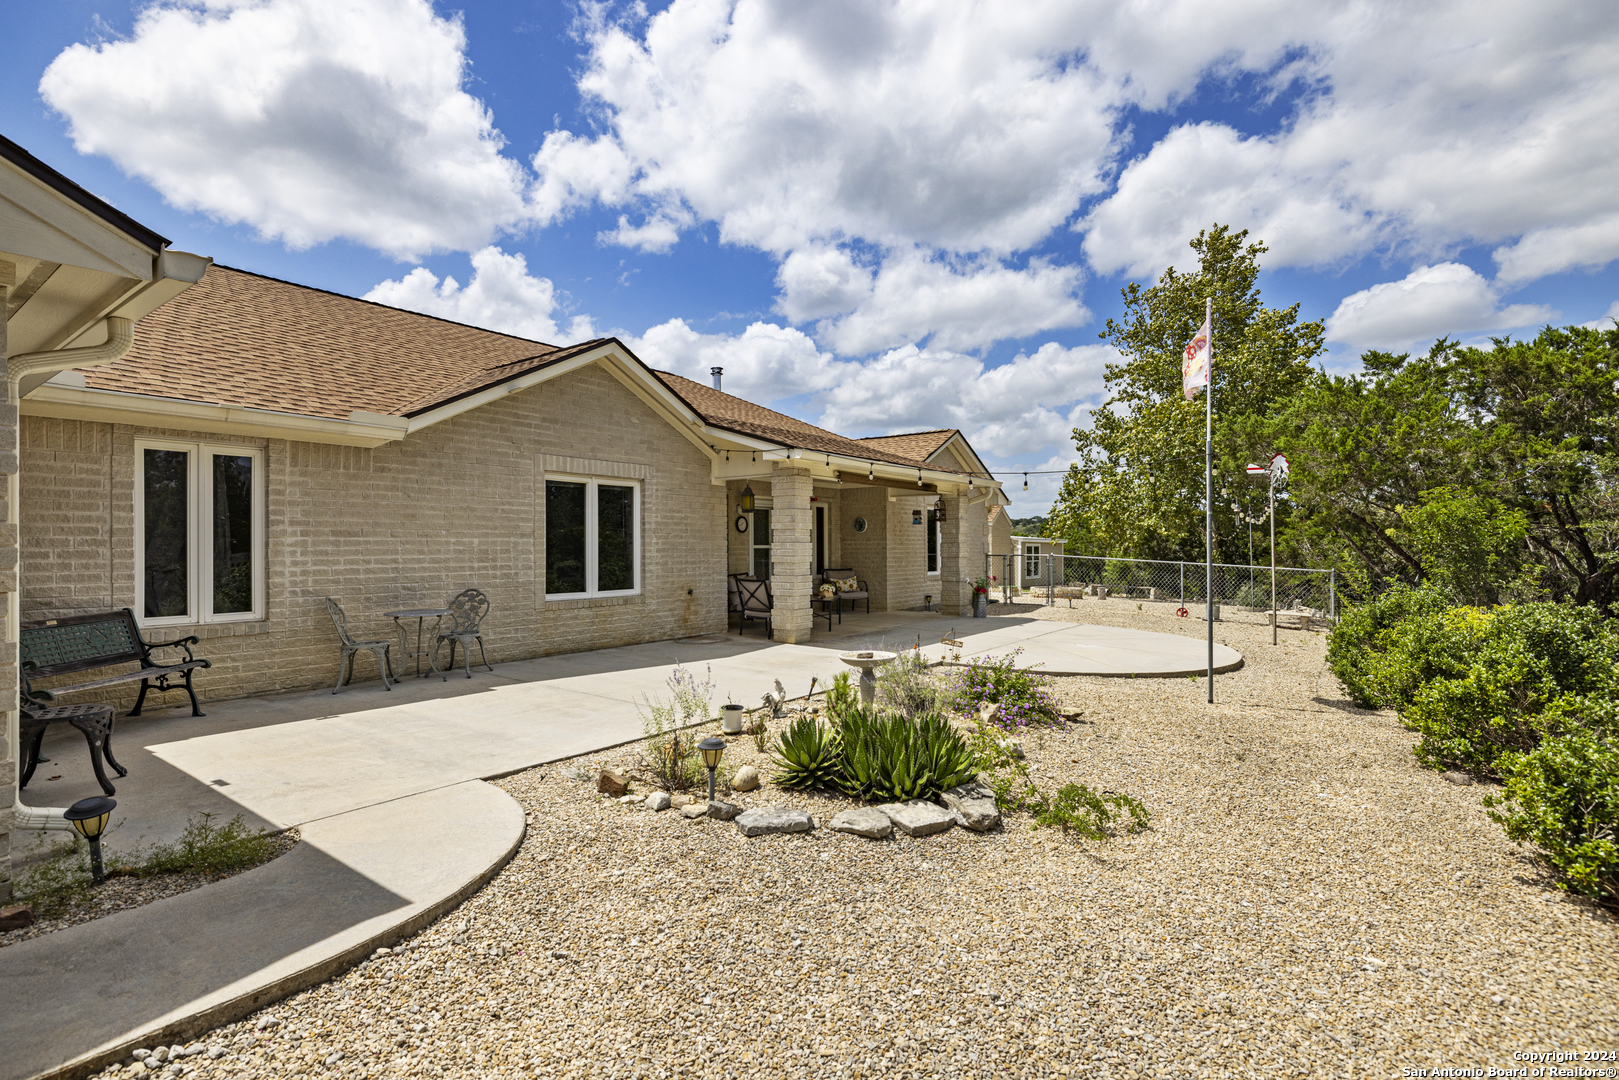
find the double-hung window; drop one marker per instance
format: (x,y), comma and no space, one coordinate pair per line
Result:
(1031,560)
(199,533)
(592,537)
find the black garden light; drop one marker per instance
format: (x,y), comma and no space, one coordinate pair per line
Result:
(89,818)
(747,498)
(712,750)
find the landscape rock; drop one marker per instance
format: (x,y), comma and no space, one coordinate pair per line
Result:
(774,819)
(681,801)
(863,821)
(630,800)
(746,779)
(974,805)
(576,774)
(17,917)
(723,811)
(1460,779)
(693,811)
(918,818)
(658,800)
(612,782)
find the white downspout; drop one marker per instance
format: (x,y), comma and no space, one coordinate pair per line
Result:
(120,336)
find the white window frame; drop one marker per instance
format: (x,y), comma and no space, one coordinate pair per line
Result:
(938,543)
(1031,560)
(199,532)
(592,553)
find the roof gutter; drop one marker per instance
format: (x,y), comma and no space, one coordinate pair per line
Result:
(120,336)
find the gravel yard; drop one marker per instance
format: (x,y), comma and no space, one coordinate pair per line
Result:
(1308,902)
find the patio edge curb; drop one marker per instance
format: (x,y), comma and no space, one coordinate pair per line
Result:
(228,1012)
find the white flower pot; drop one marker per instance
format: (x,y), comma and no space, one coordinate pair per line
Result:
(731,719)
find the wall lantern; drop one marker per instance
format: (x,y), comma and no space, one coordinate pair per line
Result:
(747,498)
(938,510)
(712,750)
(89,818)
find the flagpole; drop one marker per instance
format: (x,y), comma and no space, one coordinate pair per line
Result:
(1208,492)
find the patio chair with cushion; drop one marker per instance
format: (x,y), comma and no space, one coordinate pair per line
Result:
(752,599)
(849,587)
(467,610)
(351,646)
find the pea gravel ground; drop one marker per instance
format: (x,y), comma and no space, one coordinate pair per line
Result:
(1308,902)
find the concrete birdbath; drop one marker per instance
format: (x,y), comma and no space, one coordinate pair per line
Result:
(866,662)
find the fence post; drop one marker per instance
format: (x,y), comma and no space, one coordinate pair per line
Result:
(1332,595)
(1183,584)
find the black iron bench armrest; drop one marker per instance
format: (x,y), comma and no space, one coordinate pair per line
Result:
(148,647)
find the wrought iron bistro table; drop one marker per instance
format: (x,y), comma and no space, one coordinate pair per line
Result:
(421,615)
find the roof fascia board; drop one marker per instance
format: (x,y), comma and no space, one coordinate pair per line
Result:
(500,390)
(110,407)
(66,232)
(19,158)
(963,450)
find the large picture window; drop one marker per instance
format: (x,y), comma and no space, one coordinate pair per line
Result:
(199,533)
(592,537)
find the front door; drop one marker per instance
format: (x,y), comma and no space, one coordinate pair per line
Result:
(761,543)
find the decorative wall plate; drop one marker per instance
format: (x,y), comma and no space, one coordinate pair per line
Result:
(859,524)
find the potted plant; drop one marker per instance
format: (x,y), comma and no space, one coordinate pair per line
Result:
(731,718)
(980,597)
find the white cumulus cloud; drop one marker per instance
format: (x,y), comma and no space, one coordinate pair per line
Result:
(308,120)
(1447,299)
(764,363)
(502,295)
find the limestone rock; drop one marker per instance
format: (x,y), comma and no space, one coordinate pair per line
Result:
(612,782)
(723,811)
(863,821)
(658,800)
(773,819)
(693,811)
(1460,779)
(576,774)
(630,800)
(918,818)
(974,805)
(680,802)
(746,779)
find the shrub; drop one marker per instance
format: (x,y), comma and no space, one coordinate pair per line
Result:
(807,756)
(1563,797)
(671,759)
(906,686)
(1525,660)
(1385,650)
(890,758)
(1020,693)
(1073,808)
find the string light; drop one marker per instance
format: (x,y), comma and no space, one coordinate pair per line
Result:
(919,478)
(1025,481)
(870,471)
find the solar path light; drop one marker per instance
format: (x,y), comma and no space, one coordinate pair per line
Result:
(712,749)
(89,818)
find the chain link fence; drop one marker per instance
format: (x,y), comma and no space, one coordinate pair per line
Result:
(1242,593)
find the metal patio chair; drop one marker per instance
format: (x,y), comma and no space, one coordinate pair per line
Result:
(467,609)
(352,646)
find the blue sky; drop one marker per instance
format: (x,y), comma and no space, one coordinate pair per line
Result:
(877,216)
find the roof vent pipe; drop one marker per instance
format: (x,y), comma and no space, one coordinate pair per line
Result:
(716,372)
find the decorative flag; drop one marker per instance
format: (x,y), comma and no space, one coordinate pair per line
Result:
(1195,370)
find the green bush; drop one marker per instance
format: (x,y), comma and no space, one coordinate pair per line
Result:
(906,685)
(1563,797)
(888,758)
(1387,649)
(808,756)
(1020,692)
(1524,661)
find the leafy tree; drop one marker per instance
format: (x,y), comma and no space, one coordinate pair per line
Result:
(1139,485)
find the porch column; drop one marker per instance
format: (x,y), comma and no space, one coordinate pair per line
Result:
(961,553)
(791,552)
(9,756)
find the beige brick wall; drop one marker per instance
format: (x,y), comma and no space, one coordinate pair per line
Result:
(407,524)
(8,584)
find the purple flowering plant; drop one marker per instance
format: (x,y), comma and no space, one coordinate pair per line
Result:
(1021,693)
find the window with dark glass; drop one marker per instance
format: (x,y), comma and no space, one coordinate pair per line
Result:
(166,478)
(591,536)
(564,536)
(233,534)
(933,541)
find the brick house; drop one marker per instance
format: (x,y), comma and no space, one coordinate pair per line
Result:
(263,445)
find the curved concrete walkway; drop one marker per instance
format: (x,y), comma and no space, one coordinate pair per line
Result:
(398,827)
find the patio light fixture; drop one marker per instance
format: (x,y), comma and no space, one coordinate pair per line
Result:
(713,749)
(747,498)
(89,818)
(938,510)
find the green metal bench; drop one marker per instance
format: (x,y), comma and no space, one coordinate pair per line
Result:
(105,639)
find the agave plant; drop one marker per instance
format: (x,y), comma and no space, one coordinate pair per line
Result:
(807,756)
(891,758)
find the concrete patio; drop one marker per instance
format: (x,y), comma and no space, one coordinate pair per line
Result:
(385,787)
